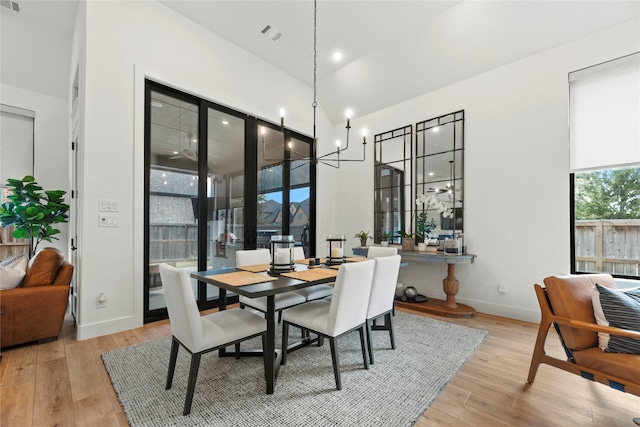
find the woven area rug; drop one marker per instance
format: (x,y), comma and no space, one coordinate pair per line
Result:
(397,389)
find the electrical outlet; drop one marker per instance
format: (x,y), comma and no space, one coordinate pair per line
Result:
(101,300)
(107,220)
(502,289)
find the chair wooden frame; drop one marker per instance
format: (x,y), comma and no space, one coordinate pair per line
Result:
(569,365)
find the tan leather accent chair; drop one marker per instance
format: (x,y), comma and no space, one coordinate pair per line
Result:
(565,302)
(35,311)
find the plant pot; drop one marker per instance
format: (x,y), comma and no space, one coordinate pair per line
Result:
(384,243)
(422,246)
(408,243)
(363,242)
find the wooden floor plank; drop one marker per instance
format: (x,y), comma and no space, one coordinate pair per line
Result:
(84,373)
(16,404)
(20,365)
(96,411)
(436,418)
(53,405)
(50,351)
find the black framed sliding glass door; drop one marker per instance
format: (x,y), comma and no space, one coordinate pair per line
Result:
(213,186)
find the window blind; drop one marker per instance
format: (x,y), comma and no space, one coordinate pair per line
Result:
(604,115)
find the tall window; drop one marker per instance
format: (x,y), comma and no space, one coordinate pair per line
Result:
(605,168)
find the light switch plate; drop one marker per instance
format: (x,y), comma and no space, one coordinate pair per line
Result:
(108,205)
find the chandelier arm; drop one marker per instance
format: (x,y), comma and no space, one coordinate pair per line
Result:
(364,156)
(329,164)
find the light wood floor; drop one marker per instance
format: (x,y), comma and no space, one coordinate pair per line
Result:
(64,383)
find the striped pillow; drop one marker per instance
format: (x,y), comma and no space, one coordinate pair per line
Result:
(619,309)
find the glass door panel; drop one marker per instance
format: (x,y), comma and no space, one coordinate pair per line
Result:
(270,179)
(225,191)
(299,194)
(172,191)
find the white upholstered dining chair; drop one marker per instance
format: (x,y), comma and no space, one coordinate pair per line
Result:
(312,292)
(381,299)
(346,312)
(378,251)
(282,301)
(201,334)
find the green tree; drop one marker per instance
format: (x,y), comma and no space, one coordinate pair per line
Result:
(608,194)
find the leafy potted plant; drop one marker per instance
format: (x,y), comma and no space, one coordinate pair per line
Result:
(33,211)
(363,237)
(386,238)
(408,240)
(424,227)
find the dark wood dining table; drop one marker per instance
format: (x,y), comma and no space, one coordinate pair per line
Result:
(268,289)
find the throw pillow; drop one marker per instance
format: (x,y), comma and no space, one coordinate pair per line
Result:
(11,276)
(619,308)
(12,259)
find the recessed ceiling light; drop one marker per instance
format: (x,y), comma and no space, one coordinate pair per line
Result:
(337,56)
(175,152)
(436,129)
(431,173)
(224,122)
(156,104)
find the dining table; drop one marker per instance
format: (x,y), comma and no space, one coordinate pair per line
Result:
(268,287)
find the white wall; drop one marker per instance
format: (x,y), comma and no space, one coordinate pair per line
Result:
(126,41)
(516,173)
(34,70)
(51,144)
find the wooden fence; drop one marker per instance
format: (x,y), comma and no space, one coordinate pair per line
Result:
(608,246)
(179,242)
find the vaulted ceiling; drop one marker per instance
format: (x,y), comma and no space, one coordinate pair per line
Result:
(393,50)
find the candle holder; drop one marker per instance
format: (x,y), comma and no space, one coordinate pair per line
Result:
(282,255)
(335,250)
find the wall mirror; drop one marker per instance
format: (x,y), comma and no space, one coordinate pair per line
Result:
(393,191)
(440,172)
(432,164)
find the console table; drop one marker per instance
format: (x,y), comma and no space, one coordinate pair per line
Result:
(450,284)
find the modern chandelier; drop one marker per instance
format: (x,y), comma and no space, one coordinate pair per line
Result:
(333,158)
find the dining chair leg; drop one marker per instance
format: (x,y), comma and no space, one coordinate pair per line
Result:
(370,342)
(237,350)
(363,344)
(336,362)
(285,340)
(392,335)
(191,385)
(280,316)
(264,354)
(173,356)
(320,340)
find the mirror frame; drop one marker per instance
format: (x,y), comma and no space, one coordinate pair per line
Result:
(411,164)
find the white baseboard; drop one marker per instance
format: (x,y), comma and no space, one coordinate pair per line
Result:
(111,326)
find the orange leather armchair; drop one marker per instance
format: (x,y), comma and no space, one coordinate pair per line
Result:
(35,311)
(565,301)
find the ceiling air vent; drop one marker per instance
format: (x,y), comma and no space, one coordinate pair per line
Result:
(269,31)
(10,4)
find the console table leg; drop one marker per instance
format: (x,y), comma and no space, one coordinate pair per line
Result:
(450,285)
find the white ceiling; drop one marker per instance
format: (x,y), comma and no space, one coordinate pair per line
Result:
(396,50)
(393,50)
